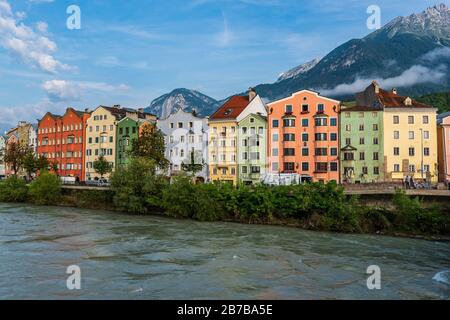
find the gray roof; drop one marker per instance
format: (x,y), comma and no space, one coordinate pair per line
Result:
(441,117)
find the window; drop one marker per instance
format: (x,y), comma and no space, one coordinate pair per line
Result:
(333,151)
(305,108)
(275,123)
(375,156)
(396,119)
(425,120)
(305,152)
(411,135)
(426,151)
(275,137)
(426,168)
(289,137)
(320,108)
(180,125)
(375,140)
(244,169)
(348,127)
(347,114)
(288,108)
(396,135)
(426,135)
(254,156)
(362,156)
(289,166)
(361,127)
(333,166)
(289,122)
(289,151)
(376,170)
(396,168)
(333,136)
(320,122)
(305,166)
(348,141)
(256,169)
(365,170)
(375,127)
(412,168)
(244,142)
(361,140)
(275,152)
(305,123)
(321,166)
(305,137)
(275,166)
(321,151)
(320,136)
(396,151)
(333,122)
(410,119)
(411,152)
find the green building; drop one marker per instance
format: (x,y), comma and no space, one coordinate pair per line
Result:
(252,146)
(362,157)
(127,131)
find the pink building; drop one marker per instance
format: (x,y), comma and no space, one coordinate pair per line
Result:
(444,148)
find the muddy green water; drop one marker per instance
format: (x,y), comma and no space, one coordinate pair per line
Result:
(133,257)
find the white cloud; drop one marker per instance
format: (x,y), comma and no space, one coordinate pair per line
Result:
(63,90)
(42,26)
(415,75)
(437,54)
(26,44)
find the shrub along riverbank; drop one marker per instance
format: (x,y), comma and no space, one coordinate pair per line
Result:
(138,190)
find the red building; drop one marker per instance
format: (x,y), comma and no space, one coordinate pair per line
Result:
(61,141)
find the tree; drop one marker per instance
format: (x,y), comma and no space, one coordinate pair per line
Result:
(42,163)
(15,155)
(102,166)
(46,189)
(193,167)
(54,167)
(30,164)
(150,144)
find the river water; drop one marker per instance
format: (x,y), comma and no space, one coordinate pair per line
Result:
(129,257)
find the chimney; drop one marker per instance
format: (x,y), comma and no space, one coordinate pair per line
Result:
(394,91)
(86,110)
(117,106)
(251,94)
(376,86)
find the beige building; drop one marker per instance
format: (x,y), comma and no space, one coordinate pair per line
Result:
(101,135)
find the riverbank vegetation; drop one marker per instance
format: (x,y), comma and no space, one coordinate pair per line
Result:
(138,189)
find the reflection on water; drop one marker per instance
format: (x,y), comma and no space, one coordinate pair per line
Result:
(157,258)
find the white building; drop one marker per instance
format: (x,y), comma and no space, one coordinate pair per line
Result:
(2,155)
(185,134)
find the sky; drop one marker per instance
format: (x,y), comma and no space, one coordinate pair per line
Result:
(131,52)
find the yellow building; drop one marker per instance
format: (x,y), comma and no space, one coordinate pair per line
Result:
(101,134)
(409,130)
(223,135)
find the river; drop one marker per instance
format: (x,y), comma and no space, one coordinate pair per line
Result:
(148,257)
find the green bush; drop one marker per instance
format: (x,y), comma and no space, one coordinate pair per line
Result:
(46,189)
(13,189)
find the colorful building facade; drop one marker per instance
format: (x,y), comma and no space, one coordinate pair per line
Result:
(443,137)
(409,131)
(362,150)
(252,146)
(185,135)
(304,136)
(61,140)
(223,135)
(2,157)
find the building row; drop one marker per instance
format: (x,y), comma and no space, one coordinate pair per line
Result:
(383,137)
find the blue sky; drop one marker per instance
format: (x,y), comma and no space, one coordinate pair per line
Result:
(130,52)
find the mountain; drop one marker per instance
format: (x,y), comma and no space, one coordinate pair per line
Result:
(4,127)
(439,100)
(411,53)
(298,71)
(188,100)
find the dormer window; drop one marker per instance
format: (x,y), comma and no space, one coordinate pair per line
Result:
(228,112)
(288,108)
(408,101)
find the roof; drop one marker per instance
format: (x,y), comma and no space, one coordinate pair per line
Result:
(121,113)
(442,116)
(231,109)
(391,100)
(360,109)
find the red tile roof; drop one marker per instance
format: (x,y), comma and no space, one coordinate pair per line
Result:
(231,109)
(391,100)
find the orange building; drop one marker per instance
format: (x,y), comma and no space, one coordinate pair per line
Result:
(304,136)
(61,141)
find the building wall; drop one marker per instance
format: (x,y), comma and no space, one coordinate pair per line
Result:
(404,159)
(11,139)
(127,131)
(184,133)
(2,155)
(443,132)
(223,151)
(252,146)
(357,125)
(279,162)
(61,141)
(100,139)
